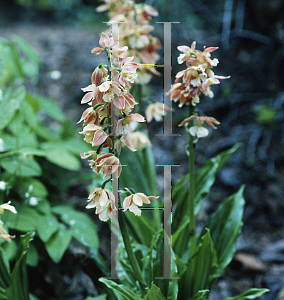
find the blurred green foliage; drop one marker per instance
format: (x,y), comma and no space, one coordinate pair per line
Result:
(264,114)
(39,148)
(14,284)
(80,11)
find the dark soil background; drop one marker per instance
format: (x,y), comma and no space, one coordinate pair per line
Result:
(249,105)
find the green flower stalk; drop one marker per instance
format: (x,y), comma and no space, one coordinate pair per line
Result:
(109,93)
(197,79)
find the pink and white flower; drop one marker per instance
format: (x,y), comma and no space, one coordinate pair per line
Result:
(157,111)
(104,202)
(105,43)
(3,233)
(133,201)
(94,134)
(198,130)
(107,163)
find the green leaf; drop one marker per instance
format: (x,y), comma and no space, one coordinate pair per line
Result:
(154,256)
(125,271)
(205,176)
(29,115)
(173,283)
(59,155)
(29,151)
(158,262)
(4,270)
(51,108)
(21,135)
(181,247)
(140,228)
(81,226)
(204,180)
(26,219)
(100,261)
(30,61)
(10,105)
(76,146)
(140,163)
(201,268)
(26,48)
(10,249)
(225,227)
(43,206)
(58,243)
(100,297)
(150,169)
(250,294)
(120,291)
(47,226)
(33,297)
(154,264)
(18,288)
(33,186)
(21,166)
(8,142)
(11,57)
(154,294)
(33,102)
(200,294)
(32,256)
(67,130)
(3,294)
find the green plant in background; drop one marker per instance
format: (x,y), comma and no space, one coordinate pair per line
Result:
(65,11)
(14,284)
(38,150)
(265,114)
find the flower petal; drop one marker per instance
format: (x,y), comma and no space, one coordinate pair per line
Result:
(103,199)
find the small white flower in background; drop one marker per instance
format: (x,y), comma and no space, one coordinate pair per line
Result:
(1,95)
(55,75)
(1,145)
(3,185)
(33,201)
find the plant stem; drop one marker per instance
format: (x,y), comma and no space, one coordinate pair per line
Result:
(110,128)
(131,256)
(9,153)
(191,191)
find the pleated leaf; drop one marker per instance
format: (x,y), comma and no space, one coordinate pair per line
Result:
(154,294)
(18,288)
(225,227)
(250,294)
(120,291)
(204,180)
(201,268)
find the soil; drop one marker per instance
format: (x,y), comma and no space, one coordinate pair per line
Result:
(255,66)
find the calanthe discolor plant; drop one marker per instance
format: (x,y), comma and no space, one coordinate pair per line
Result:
(143,269)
